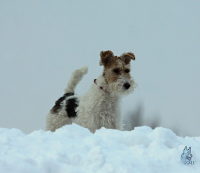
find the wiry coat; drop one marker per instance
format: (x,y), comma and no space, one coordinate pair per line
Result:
(100,105)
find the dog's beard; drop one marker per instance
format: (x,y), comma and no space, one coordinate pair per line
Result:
(117,88)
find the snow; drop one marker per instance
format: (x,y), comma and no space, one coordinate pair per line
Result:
(73,149)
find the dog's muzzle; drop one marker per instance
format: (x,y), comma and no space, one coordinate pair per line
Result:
(127,85)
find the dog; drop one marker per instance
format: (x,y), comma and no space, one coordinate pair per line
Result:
(100,105)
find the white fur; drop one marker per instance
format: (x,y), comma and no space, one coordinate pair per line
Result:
(97,108)
(75,78)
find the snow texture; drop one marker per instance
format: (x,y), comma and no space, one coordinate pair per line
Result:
(74,149)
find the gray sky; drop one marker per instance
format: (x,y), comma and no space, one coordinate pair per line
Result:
(42,42)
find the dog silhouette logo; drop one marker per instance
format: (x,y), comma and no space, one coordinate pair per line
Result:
(186,157)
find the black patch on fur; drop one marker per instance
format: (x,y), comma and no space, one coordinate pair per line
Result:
(71,106)
(57,105)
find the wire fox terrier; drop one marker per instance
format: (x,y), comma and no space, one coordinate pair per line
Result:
(100,105)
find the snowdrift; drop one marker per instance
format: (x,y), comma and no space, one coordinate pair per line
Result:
(73,149)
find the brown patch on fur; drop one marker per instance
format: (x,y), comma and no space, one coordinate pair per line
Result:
(111,62)
(55,109)
(126,57)
(106,58)
(109,73)
(57,105)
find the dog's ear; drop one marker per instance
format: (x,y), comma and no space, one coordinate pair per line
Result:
(127,57)
(106,57)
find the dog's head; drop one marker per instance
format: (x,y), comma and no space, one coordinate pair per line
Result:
(117,72)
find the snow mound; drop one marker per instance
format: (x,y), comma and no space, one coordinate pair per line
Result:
(73,149)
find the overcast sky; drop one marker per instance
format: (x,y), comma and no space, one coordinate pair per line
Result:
(43,42)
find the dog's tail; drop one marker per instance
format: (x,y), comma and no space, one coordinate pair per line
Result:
(75,78)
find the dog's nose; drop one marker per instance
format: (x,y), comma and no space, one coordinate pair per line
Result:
(126,85)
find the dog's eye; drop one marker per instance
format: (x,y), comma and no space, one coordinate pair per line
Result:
(127,70)
(116,70)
